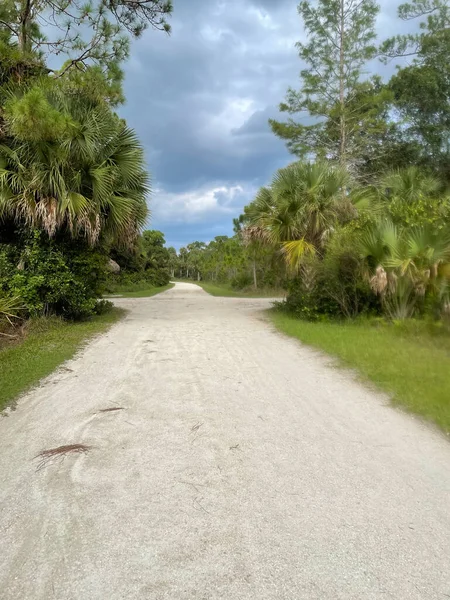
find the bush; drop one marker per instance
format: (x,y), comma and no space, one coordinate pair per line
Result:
(135,281)
(343,279)
(103,306)
(53,276)
(334,286)
(241,281)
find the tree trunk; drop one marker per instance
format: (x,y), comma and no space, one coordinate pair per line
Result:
(255,280)
(23,30)
(342,124)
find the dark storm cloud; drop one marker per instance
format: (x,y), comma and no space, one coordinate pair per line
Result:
(200,101)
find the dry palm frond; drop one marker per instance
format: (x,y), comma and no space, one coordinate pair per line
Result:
(379,281)
(254,233)
(47,214)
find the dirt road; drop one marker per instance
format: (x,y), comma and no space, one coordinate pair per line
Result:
(242,466)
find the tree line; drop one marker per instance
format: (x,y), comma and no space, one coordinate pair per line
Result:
(359,222)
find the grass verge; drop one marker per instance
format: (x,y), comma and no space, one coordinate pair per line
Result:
(408,360)
(218,289)
(143,293)
(48,343)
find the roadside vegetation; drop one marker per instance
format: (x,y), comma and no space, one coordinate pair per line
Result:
(230,265)
(141,268)
(406,359)
(45,343)
(73,177)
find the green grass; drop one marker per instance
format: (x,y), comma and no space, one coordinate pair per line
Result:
(410,360)
(219,289)
(143,293)
(48,343)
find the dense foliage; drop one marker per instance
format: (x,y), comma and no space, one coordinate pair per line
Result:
(53,276)
(146,264)
(73,179)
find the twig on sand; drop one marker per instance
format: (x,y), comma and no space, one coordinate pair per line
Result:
(47,455)
(196,502)
(194,485)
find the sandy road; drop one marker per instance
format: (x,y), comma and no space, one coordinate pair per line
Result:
(242,467)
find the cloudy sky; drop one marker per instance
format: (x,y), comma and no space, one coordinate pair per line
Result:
(200,100)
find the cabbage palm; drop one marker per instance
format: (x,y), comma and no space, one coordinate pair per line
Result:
(410,185)
(406,259)
(412,198)
(10,308)
(69,164)
(301,208)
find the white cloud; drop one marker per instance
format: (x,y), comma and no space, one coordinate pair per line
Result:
(200,205)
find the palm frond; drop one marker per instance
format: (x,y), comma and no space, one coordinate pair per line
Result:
(295,251)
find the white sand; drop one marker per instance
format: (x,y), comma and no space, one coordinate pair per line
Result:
(244,466)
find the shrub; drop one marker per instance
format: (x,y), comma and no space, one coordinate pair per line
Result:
(241,281)
(343,279)
(334,286)
(305,296)
(53,276)
(103,306)
(139,280)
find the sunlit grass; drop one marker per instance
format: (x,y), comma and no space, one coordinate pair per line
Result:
(409,360)
(218,289)
(47,344)
(145,292)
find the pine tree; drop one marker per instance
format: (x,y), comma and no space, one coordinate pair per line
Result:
(340,36)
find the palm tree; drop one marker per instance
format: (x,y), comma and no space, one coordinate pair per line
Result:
(10,308)
(69,164)
(410,185)
(406,263)
(412,197)
(301,208)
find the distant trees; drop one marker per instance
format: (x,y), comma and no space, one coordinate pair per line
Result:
(146,264)
(230,260)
